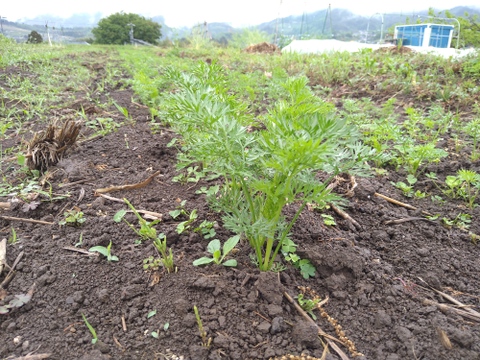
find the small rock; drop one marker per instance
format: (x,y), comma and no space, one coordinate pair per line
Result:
(264,327)
(306,335)
(103,295)
(204,283)
(100,345)
(25,345)
(198,352)
(11,327)
(129,292)
(270,288)
(382,319)
(274,310)
(278,325)
(78,297)
(403,334)
(94,355)
(221,341)
(221,321)
(269,353)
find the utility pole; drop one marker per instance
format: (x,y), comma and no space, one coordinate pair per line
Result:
(1,23)
(328,15)
(48,34)
(131,32)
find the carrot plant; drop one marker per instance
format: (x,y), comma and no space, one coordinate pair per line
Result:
(267,170)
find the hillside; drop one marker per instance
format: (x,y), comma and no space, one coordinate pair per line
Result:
(338,23)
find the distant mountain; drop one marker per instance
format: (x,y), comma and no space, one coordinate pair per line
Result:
(340,24)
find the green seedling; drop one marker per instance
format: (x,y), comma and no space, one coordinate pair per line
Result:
(12,239)
(206,342)
(464,185)
(406,189)
(152,264)
(91,329)
(210,191)
(73,217)
(105,251)
(184,225)
(308,305)
(146,231)
(307,270)
(461,221)
(122,110)
(80,240)
(167,256)
(191,174)
(474,238)
(206,228)
(217,256)
(328,220)
(151,313)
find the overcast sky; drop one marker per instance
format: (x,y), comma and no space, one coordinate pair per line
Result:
(238,13)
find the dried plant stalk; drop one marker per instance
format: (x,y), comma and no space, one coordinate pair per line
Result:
(48,147)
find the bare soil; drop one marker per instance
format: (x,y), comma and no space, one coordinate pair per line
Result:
(375,276)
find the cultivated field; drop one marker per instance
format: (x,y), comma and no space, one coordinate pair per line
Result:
(218,204)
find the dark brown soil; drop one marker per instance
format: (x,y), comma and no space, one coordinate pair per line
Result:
(375,276)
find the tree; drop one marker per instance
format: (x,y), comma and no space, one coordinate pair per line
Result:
(114,29)
(469,27)
(34,38)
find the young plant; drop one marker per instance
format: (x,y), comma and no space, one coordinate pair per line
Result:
(307,270)
(105,251)
(461,221)
(73,217)
(160,243)
(206,342)
(206,228)
(91,329)
(266,170)
(184,225)
(328,220)
(146,231)
(217,256)
(12,239)
(308,305)
(465,185)
(151,263)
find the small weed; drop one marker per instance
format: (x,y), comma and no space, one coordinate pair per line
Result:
(151,263)
(146,231)
(91,329)
(461,221)
(160,243)
(328,220)
(190,175)
(73,217)
(308,305)
(184,225)
(206,342)
(217,256)
(105,251)
(12,239)
(304,265)
(206,228)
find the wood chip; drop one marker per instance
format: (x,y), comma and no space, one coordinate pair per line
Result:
(442,335)
(127,187)
(3,255)
(33,221)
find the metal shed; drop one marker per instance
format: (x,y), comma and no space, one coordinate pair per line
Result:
(425,35)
